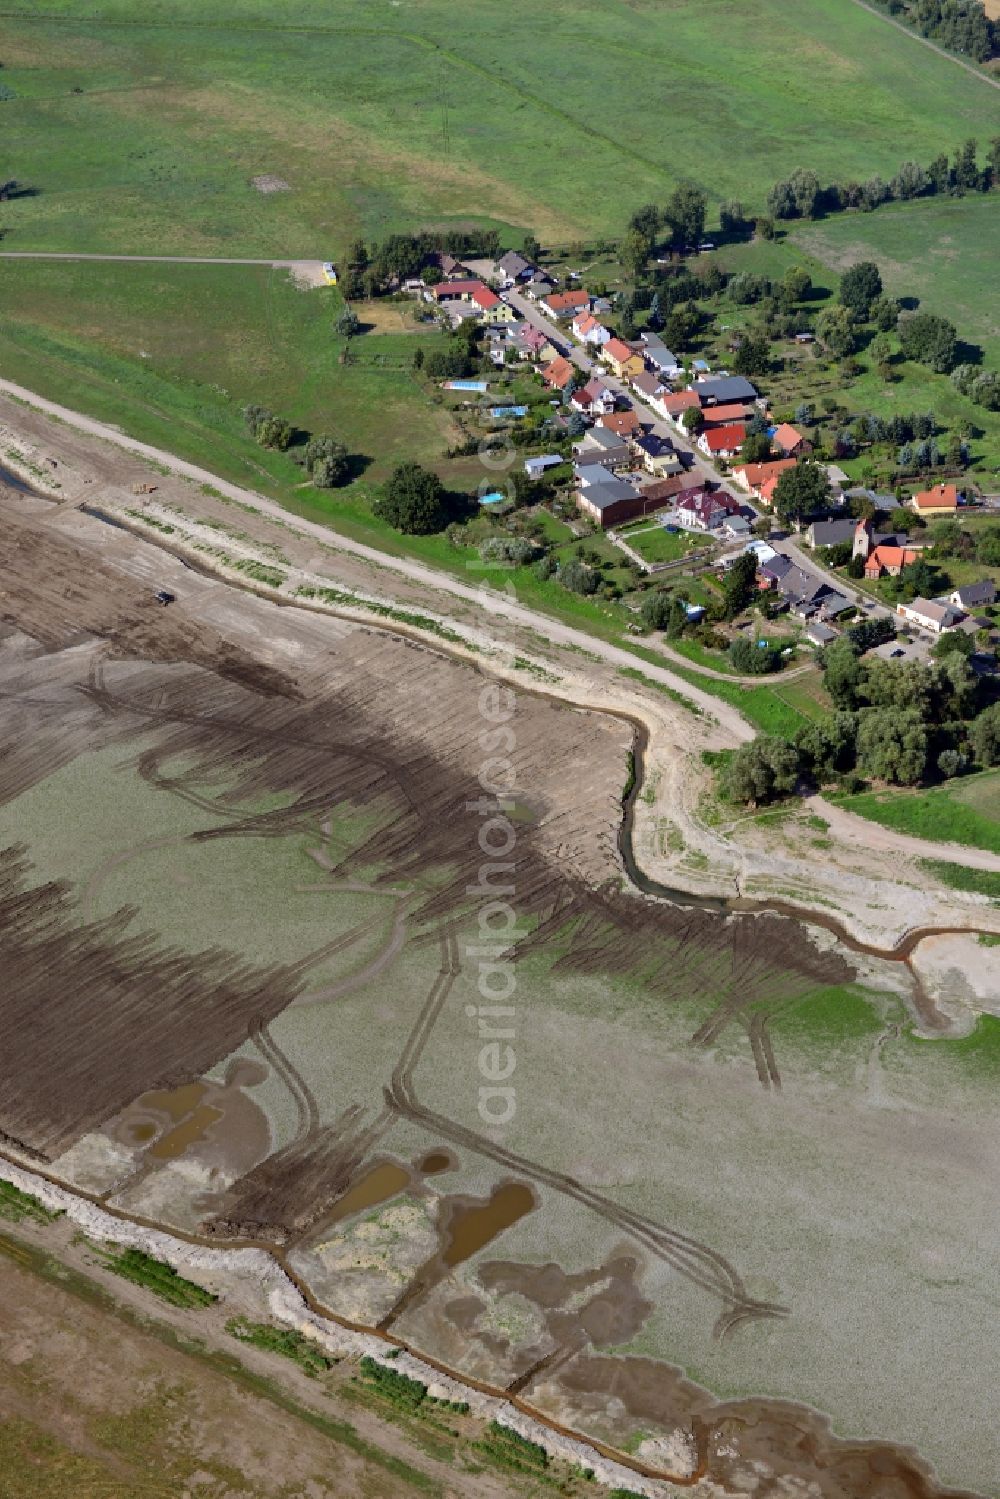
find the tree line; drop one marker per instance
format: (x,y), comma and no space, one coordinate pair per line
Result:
(961,26)
(802,196)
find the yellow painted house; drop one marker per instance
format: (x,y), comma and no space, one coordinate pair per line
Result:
(941,500)
(502,312)
(623,360)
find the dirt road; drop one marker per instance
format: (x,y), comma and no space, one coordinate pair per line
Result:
(856,829)
(494,603)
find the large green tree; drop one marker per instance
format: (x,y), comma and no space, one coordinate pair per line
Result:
(685,213)
(326,462)
(739,584)
(984,736)
(835,328)
(892,745)
(859,287)
(802,490)
(413,500)
(930,339)
(761,770)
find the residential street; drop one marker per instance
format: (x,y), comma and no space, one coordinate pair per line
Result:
(563,338)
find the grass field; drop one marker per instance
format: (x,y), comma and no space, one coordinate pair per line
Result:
(660,545)
(960,286)
(963,811)
(176,351)
(942,250)
(144,126)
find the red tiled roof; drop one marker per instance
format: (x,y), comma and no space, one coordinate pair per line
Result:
(622,422)
(888,557)
(457,289)
(565,301)
(720,439)
(721,416)
(758,474)
(485,298)
(615,349)
(940,495)
(557,372)
(787,438)
(682,401)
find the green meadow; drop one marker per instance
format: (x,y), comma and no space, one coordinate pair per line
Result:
(942,250)
(141,126)
(962,811)
(172,353)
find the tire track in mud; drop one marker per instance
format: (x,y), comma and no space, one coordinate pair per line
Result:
(694,1260)
(302,1095)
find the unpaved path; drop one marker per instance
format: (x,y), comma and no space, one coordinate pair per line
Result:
(311,268)
(873,835)
(493,602)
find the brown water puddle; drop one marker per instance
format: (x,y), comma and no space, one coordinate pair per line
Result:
(471,1226)
(176,1103)
(436,1161)
(375,1187)
(192,1130)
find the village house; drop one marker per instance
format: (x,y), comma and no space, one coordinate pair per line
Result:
(830,533)
(558,374)
(623,360)
(974,595)
(724,416)
(622,423)
(656,454)
(513,267)
(866,540)
(673,407)
(805,593)
(755,477)
(538,288)
(587,328)
(565,304)
(449,265)
(934,615)
(594,398)
(888,561)
(722,442)
(722,389)
(604,448)
(494,309)
(789,442)
(457,291)
(535,467)
(611,501)
(658,357)
(532,343)
(662,492)
(941,500)
(736,527)
(646,386)
(700,511)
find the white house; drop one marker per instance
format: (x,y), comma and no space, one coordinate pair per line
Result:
(933,615)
